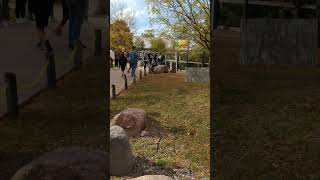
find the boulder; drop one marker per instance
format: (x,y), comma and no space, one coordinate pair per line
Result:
(121,158)
(132,120)
(161,69)
(153,177)
(144,133)
(72,163)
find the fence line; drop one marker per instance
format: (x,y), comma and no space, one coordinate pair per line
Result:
(76,57)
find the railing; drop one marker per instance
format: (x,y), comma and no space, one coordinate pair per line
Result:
(12,84)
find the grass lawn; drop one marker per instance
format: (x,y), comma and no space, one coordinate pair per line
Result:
(178,118)
(268,118)
(73,114)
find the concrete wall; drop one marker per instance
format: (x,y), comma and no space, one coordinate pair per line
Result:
(197,74)
(279,41)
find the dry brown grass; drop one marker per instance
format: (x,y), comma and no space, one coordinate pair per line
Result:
(179,113)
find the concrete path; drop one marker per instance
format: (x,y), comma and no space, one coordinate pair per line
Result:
(19,54)
(118,81)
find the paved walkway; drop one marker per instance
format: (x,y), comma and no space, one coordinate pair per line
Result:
(118,81)
(19,54)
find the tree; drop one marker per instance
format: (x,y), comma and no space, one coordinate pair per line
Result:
(158,45)
(183,18)
(139,43)
(120,36)
(119,11)
(148,34)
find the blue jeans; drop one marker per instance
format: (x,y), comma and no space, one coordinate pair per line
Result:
(133,69)
(75,23)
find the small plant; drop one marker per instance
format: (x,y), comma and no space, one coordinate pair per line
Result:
(164,164)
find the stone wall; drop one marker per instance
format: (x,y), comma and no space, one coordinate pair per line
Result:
(197,74)
(279,41)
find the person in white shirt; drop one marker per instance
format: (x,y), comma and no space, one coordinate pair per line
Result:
(112,58)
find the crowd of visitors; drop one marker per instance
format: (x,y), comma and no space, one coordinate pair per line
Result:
(122,59)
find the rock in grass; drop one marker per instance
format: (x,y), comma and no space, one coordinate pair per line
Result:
(132,120)
(153,177)
(161,69)
(144,133)
(72,163)
(121,158)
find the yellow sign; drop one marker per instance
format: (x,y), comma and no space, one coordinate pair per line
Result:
(183,44)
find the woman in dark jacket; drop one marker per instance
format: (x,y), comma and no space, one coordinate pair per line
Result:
(123,62)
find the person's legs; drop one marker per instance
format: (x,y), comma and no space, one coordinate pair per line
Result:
(133,70)
(71,26)
(17,10)
(65,13)
(129,67)
(23,8)
(117,62)
(65,18)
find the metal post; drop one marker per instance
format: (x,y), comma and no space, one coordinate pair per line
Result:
(12,95)
(113,91)
(125,82)
(145,72)
(51,72)
(98,46)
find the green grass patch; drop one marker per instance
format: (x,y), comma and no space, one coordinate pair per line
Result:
(179,114)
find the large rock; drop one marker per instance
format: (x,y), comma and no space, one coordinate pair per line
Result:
(121,158)
(161,69)
(153,177)
(132,120)
(73,163)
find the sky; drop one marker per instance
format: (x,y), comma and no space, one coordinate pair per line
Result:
(142,17)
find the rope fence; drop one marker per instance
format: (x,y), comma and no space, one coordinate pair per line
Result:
(12,84)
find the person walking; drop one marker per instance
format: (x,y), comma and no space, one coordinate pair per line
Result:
(20,11)
(30,13)
(133,55)
(117,58)
(41,10)
(65,18)
(112,57)
(123,62)
(78,12)
(145,59)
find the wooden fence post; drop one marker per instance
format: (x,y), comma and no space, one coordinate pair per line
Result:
(113,91)
(51,72)
(125,82)
(12,95)
(78,56)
